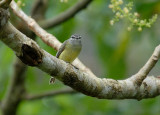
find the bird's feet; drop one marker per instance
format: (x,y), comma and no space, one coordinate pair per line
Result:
(75,66)
(52,80)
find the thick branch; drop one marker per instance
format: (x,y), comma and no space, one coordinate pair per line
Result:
(49,94)
(65,15)
(78,80)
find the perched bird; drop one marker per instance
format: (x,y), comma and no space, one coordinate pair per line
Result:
(69,50)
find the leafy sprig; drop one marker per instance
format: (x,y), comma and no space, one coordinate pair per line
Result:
(122,10)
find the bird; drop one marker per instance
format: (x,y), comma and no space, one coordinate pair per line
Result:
(69,50)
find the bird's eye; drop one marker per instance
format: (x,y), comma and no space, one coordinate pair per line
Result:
(72,36)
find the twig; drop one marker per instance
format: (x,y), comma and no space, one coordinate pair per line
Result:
(65,15)
(144,71)
(50,94)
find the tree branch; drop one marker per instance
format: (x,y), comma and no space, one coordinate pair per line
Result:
(66,15)
(29,52)
(49,94)
(144,71)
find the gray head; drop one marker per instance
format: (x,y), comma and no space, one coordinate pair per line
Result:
(76,39)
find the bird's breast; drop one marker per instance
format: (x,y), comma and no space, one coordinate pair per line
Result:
(70,53)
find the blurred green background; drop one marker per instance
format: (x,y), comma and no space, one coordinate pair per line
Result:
(110,52)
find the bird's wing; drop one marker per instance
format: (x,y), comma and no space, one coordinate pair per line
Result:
(61,49)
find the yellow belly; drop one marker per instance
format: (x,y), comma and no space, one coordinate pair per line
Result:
(69,55)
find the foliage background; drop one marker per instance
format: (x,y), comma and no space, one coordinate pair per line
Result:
(110,51)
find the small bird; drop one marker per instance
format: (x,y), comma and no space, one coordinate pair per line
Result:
(69,50)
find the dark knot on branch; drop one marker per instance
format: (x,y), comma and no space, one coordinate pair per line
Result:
(30,55)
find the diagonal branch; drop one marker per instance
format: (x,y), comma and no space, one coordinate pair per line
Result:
(65,15)
(49,94)
(144,71)
(46,37)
